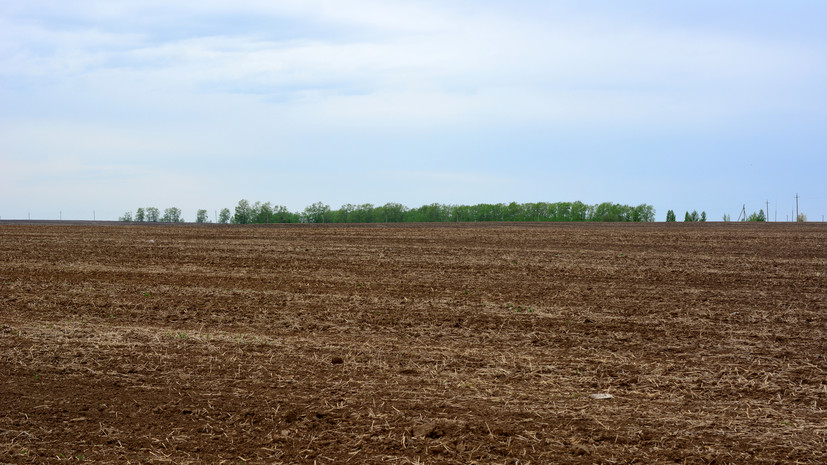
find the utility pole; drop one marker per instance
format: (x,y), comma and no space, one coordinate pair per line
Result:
(796,206)
(743,213)
(768,210)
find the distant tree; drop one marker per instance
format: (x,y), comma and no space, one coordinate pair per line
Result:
(606,211)
(344,214)
(153,214)
(283,215)
(364,213)
(140,215)
(757,216)
(262,213)
(316,213)
(243,212)
(172,215)
(512,212)
(670,216)
(224,216)
(126,217)
(201,217)
(802,218)
(435,213)
(540,211)
(394,212)
(644,213)
(247,213)
(727,218)
(560,211)
(580,211)
(687,218)
(703,217)
(460,212)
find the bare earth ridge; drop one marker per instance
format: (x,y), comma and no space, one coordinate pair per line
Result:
(413,344)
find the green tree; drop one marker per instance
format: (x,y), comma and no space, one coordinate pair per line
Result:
(562,211)
(802,218)
(344,214)
(283,215)
(394,212)
(224,216)
(262,213)
(703,217)
(580,211)
(512,212)
(484,212)
(606,211)
(363,213)
(140,215)
(126,217)
(645,213)
(316,213)
(172,215)
(670,216)
(434,213)
(243,212)
(757,216)
(153,214)
(201,217)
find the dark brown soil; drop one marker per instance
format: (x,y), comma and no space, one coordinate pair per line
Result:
(414,344)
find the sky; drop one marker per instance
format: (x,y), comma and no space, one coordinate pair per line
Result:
(685,105)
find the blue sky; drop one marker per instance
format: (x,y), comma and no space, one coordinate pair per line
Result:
(110,106)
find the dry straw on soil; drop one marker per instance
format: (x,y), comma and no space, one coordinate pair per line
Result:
(413,344)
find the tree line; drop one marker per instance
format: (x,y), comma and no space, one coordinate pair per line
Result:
(262,213)
(689,217)
(694,216)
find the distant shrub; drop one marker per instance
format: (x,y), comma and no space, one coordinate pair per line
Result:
(760,216)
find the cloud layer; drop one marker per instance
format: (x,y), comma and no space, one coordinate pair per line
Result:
(437,94)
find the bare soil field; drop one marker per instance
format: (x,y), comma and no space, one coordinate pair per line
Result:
(413,344)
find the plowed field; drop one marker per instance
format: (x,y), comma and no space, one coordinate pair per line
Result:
(422,344)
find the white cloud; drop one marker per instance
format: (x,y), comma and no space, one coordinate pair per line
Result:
(157,87)
(434,64)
